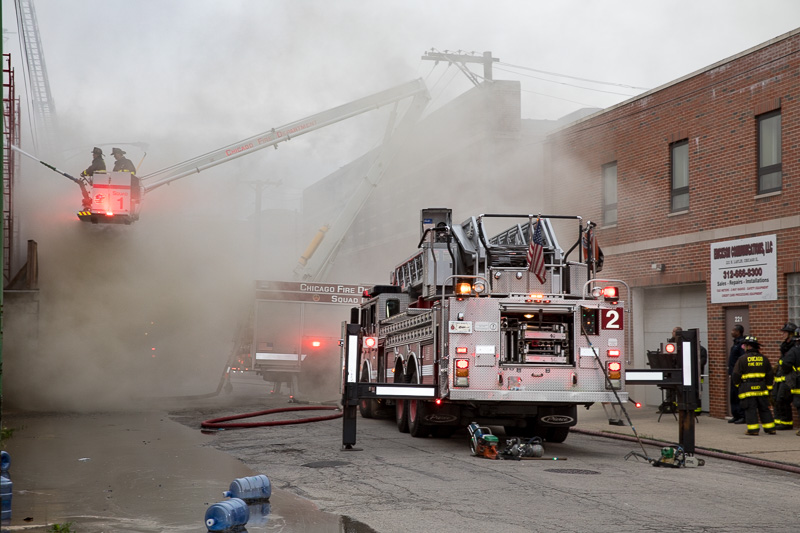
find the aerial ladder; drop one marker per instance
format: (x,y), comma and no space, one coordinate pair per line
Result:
(116,197)
(321,251)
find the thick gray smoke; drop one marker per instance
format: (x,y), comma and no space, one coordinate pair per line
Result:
(128,312)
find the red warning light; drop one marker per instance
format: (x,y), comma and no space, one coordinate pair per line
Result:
(638,405)
(316,344)
(109,214)
(462,363)
(461,349)
(670,348)
(613,353)
(370,342)
(614,366)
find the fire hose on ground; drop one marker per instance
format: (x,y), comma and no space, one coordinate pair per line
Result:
(224,422)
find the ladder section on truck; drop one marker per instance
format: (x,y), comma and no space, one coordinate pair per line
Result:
(408,327)
(409,274)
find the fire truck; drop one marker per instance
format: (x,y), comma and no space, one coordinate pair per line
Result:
(502,330)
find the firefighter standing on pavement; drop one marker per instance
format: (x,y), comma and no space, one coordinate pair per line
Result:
(790,363)
(781,392)
(753,376)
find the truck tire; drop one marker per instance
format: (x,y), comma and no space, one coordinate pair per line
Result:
(367,407)
(401,406)
(556,434)
(401,415)
(416,414)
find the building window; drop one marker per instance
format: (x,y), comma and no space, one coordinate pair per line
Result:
(793,297)
(769,152)
(610,194)
(680,176)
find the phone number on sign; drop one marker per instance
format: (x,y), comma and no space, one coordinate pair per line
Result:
(741,273)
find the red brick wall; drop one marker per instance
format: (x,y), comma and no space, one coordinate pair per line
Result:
(715,111)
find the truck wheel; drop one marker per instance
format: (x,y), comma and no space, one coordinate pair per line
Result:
(416,414)
(367,407)
(556,434)
(401,415)
(400,406)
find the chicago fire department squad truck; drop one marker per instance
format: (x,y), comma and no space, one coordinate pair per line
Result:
(503,330)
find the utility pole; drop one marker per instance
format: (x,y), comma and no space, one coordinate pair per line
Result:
(459,59)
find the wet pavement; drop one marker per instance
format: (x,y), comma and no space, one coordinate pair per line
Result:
(131,472)
(153,470)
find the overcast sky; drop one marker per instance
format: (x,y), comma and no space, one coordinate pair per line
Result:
(189,76)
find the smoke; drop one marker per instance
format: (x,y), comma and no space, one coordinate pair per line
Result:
(128,313)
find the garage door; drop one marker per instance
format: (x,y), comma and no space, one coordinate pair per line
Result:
(662,309)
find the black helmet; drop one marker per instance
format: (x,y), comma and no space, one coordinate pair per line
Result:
(97,151)
(752,341)
(790,327)
(117,151)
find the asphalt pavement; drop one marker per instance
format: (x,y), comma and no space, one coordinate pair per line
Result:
(144,471)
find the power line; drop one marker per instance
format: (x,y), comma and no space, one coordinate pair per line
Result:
(565,83)
(575,77)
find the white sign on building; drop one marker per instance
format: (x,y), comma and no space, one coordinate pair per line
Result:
(744,270)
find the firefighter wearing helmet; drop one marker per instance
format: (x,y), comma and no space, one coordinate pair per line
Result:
(790,363)
(753,376)
(98,164)
(781,392)
(122,163)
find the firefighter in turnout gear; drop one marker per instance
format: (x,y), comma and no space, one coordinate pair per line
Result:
(781,393)
(790,363)
(98,164)
(753,375)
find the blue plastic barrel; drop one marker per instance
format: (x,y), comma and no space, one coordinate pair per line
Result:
(227,515)
(5,462)
(6,487)
(250,488)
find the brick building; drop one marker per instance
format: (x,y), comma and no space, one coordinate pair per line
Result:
(695,187)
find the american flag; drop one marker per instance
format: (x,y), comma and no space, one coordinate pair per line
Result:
(536,254)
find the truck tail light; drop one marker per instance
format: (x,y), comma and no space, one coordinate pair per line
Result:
(461,350)
(614,352)
(462,373)
(614,370)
